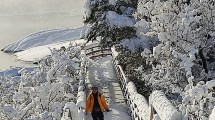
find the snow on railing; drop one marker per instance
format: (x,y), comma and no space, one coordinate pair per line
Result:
(81,97)
(137,103)
(140,109)
(164,107)
(91,51)
(70,112)
(74,111)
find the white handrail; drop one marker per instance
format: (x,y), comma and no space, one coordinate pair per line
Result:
(164,107)
(81,96)
(139,107)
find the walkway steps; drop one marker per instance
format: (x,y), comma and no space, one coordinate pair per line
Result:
(104,78)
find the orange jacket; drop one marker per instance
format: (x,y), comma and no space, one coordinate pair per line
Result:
(90,102)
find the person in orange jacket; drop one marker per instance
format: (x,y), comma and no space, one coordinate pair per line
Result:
(96,104)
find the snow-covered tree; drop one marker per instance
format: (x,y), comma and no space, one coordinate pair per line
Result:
(184,55)
(42,93)
(198,101)
(109,21)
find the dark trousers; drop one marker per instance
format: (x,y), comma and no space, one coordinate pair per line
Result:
(97,115)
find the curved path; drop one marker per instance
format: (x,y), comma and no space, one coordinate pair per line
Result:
(102,74)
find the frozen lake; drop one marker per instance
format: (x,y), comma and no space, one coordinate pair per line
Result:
(14,25)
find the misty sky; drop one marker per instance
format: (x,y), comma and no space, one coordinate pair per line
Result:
(28,6)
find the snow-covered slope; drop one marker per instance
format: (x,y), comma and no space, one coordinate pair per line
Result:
(37,53)
(45,37)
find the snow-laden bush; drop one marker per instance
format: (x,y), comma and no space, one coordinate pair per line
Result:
(184,53)
(42,93)
(198,101)
(185,31)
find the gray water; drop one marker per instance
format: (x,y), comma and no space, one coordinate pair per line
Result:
(14,25)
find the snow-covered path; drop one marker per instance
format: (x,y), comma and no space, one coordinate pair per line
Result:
(103,76)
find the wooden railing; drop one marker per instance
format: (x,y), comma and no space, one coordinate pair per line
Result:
(130,93)
(91,51)
(94,50)
(140,108)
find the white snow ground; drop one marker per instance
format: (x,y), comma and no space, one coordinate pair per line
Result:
(38,45)
(46,37)
(103,75)
(37,53)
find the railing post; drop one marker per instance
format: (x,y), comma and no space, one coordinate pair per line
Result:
(70,112)
(151,113)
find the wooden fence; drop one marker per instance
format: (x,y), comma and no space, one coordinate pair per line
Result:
(158,107)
